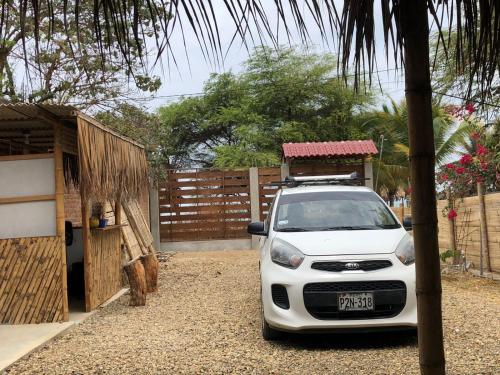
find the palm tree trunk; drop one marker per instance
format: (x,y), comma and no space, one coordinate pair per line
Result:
(415,32)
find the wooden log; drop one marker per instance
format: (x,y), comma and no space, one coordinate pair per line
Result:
(137,281)
(150,263)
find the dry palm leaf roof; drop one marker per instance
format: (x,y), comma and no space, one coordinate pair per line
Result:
(109,165)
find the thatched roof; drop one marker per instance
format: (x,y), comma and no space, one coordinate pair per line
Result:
(109,165)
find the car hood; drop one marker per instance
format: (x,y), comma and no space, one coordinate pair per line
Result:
(347,242)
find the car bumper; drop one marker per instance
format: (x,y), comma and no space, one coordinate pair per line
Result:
(299,318)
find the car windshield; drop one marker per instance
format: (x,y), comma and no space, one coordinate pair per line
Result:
(333,210)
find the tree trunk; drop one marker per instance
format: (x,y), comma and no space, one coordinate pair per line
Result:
(415,32)
(137,282)
(484,259)
(150,264)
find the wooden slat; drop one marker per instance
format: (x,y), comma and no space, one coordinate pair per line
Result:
(204,217)
(29,198)
(221,199)
(26,157)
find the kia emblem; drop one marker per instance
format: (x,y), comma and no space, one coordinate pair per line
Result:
(351,266)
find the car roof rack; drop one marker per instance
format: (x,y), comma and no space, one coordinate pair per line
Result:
(340,179)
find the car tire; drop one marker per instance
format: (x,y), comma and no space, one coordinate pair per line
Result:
(268,333)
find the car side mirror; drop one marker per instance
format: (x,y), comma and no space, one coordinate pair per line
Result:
(407,223)
(257,229)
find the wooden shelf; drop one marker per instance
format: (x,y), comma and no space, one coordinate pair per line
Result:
(110,227)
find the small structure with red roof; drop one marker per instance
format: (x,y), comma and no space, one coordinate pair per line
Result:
(326,158)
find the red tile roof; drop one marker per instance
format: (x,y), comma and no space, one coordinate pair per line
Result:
(328,149)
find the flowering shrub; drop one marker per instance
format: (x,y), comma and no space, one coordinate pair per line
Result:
(460,178)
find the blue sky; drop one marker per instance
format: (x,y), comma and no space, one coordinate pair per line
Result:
(194,71)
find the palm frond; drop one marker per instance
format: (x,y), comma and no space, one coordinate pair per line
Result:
(403,149)
(450,144)
(477,42)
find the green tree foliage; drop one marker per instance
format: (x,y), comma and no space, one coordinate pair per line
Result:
(391,122)
(284,95)
(66,65)
(466,81)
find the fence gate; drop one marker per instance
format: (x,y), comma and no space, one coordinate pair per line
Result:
(204,205)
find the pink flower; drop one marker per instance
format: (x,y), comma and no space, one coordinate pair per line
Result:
(450,166)
(452,214)
(481,150)
(444,177)
(460,170)
(469,107)
(466,159)
(484,166)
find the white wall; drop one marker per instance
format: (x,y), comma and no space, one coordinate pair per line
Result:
(20,178)
(24,178)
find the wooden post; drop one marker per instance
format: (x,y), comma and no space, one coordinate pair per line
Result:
(87,259)
(414,26)
(118,212)
(137,282)
(60,215)
(451,227)
(484,259)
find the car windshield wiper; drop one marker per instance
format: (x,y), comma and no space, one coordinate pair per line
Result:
(388,226)
(293,229)
(350,227)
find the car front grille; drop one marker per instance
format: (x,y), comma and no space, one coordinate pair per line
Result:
(364,265)
(280,296)
(320,299)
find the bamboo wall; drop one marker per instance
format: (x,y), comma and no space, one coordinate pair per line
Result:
(31,290)
(103,266)
(467,228)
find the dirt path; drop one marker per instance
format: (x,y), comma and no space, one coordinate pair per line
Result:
(205,319)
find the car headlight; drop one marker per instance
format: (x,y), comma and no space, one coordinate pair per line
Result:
(405,251)
(286,255)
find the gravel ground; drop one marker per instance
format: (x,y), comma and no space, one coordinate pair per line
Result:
(205,319)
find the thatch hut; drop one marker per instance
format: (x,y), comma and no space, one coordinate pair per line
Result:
(49,263)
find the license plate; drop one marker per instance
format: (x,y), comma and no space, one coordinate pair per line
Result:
(355,301)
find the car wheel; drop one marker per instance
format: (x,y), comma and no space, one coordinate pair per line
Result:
(268,333)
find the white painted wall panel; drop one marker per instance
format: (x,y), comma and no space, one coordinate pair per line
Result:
(30,219)
(27,177)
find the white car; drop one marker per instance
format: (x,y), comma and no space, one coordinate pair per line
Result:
(334,258)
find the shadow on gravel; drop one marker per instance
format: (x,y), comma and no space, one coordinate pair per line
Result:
(379,340)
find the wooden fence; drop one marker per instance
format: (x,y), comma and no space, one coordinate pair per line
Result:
(204,205)
(266,191)
(467,229)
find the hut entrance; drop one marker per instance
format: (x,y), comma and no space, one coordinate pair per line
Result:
(74,249)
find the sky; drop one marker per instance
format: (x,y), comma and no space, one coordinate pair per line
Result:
(193,70)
